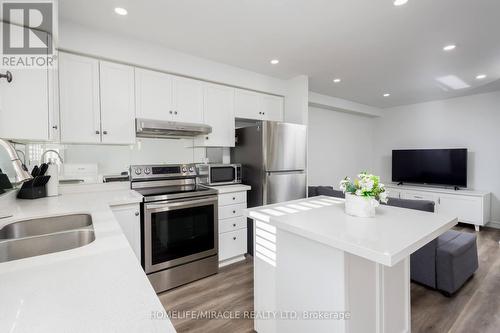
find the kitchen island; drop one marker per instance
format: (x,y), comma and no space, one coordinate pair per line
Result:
(317,269)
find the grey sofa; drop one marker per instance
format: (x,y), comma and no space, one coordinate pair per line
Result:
(446,262)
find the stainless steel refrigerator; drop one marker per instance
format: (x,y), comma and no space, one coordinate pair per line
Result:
(273,157)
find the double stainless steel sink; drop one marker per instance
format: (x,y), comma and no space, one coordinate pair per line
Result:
(36,237)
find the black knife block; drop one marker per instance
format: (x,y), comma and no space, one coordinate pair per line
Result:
(34,189)
(4,182)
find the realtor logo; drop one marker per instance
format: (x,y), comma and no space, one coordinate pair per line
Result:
(30,30)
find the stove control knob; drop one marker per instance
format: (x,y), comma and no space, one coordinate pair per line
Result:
(138,171)
(191,169)
(147,171)
(184,169)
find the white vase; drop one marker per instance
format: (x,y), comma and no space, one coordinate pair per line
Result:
(360,206)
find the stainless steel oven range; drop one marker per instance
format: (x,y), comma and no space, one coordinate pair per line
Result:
(179,222)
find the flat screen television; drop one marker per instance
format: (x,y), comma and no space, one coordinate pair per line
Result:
(430,166)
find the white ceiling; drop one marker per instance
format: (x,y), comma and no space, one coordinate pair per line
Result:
(372,45)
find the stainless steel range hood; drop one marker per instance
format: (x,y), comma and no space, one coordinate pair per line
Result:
(148,128)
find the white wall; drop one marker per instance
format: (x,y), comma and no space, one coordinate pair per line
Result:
(76,38)
(340,144)
(115,159)
(472,122)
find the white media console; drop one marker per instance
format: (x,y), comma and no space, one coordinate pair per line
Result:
(469,206)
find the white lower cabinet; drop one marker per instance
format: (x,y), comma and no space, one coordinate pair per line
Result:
(232,244)
(232,227)
(468,206)
(129,218)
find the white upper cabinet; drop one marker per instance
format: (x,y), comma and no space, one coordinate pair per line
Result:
(79,99)
(24,105)
(117,103)
(248,104)
(162,96)
(253,105)
(187,100)
(96,101)
(153,95)
(272,108)
(218,112)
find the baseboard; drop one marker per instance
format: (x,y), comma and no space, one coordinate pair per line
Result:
(494,224)
(231,261)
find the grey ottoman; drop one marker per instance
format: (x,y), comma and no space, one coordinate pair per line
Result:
(456,260)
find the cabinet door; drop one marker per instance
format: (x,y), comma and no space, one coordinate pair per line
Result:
(467,209)
(128,217)
(218,112)
(272,108)
(153,95)
(188,100)
(248,104)
(232,244)
(24,105)
(79,99)
(117,103)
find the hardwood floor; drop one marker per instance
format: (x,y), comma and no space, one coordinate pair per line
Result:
(230,290)
(475,308)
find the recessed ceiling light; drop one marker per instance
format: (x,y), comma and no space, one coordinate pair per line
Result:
(337,80)
(387,95)
(275,61)
(449,47)
(480,76)
(121,11)
(400,2)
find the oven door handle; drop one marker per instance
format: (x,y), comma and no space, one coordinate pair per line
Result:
(179,204)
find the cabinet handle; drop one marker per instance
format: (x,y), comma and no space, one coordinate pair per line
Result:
(170,112)
(7,76)
(234,238)
(97,132)
(55,127)
(234,212)
(207,137)
(175,112)
(263,113)
(234,198)
(136,213)
(105,132)
(234,224)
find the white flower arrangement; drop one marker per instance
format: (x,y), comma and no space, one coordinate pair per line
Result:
(366,185)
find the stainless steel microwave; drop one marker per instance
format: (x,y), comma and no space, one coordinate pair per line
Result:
(219,174)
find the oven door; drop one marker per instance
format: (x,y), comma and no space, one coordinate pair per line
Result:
(222,175)
(179,231)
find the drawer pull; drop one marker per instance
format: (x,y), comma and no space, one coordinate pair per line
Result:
(136,213)
(234,224)
(234,198)
(234,238)
(234,212)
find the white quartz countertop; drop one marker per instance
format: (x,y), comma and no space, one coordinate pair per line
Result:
(100,287)
(389,237)
(231,188)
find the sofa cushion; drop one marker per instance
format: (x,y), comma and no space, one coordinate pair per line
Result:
(424,205)
(329,191)
(312,191)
